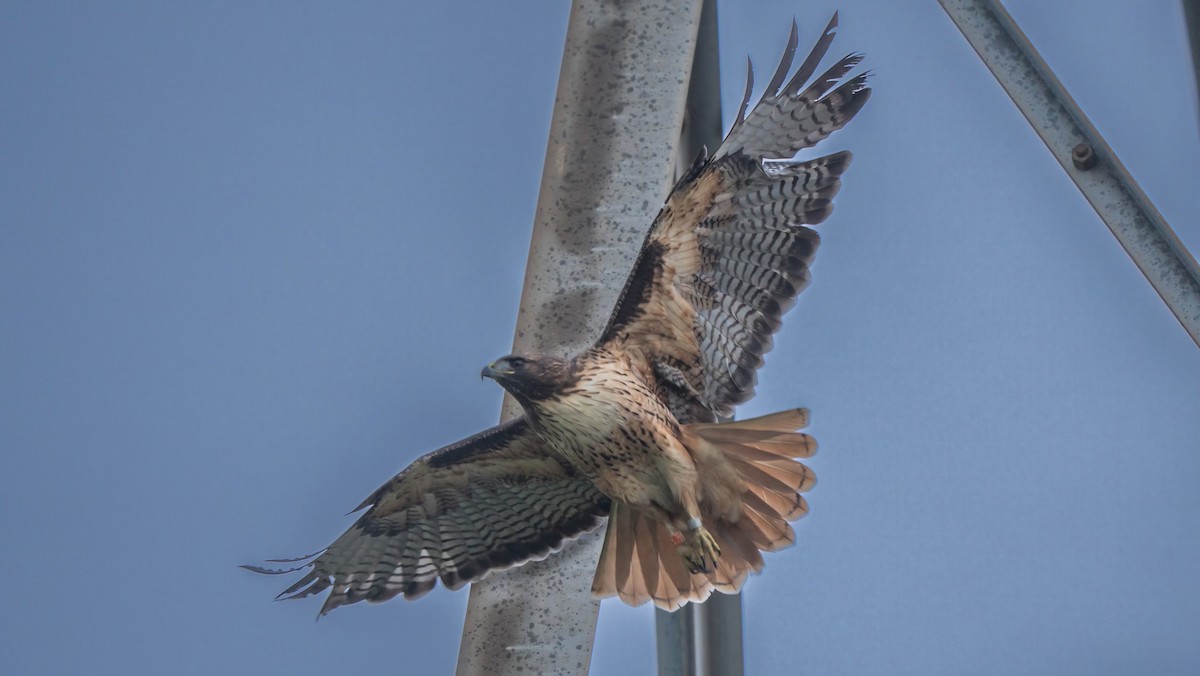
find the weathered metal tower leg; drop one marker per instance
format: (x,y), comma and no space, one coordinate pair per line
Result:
(609,164)
(705,639)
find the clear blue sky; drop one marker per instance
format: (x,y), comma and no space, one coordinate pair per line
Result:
(252,256)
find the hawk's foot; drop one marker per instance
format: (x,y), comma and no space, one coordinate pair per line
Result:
(699,550)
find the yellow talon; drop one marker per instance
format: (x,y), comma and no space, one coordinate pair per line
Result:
(699,551)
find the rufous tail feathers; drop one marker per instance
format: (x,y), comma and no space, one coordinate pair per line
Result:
(750,486)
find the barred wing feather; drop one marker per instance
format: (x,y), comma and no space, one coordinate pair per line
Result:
(730,250)
(490,502)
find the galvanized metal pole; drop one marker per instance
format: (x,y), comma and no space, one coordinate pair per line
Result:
(705,639)
(609,163)
(1084,154)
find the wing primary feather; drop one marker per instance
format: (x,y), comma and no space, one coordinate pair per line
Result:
(297,558)
(785,63)
(856,93)
(454,515)
(814,57)
(741,116)
(832,76)
(271,571)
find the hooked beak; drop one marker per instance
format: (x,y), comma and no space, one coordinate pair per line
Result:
(494,370)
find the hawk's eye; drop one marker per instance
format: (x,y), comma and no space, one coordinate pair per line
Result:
(516,362)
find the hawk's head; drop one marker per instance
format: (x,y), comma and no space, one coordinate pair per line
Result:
(531,377)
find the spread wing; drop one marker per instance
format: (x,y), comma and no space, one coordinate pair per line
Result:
(489,502)
(729,252)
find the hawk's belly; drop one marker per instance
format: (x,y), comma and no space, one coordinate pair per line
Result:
(613,429)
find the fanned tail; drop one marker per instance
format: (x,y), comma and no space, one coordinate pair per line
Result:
(638,563)
(756,485)
(762,452)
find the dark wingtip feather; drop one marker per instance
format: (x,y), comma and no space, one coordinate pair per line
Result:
(271,571)
(741,116)
(818,212)
(308,585)
(831,77)
(298,558)
(281,571)
(839,162)
(856,92)
(785,63)
(806,69)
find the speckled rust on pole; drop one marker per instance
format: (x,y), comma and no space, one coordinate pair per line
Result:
(617,116)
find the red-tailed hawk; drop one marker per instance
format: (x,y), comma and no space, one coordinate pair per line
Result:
(628,429)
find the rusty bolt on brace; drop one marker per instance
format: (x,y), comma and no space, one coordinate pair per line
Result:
(1083,156)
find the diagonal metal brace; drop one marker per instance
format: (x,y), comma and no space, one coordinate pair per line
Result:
(1084,154)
